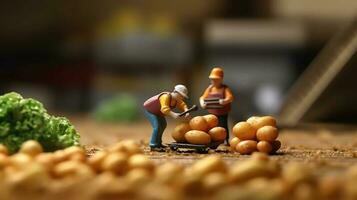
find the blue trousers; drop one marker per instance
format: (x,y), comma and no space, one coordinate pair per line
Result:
(223,122)
(158,124)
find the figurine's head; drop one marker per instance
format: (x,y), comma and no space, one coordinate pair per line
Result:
(180,92)
(216,76)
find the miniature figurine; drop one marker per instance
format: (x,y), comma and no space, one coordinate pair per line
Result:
(217,99)
(161,105)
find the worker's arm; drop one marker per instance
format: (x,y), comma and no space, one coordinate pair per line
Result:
(228,97)
(202,98)
(165,101)
(181,105)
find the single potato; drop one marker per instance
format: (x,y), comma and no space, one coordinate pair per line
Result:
(4,161)
(179,132)
(218,134)
(199,123)
(141,161)
(116,162)
(72,168)
(95,161)
(253,169)
(168,172)
(253,120)
(263,121)
(247,146)
(265,147)
(74,150)
(208,164)
(267,133)
(233,143)
(129,147)
(138,177)
(214,181)
(212,121)
(3,149)
(31,148)
(244,131)
(197,137)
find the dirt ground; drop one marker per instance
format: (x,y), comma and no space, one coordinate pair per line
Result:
(332,149)
(326,168)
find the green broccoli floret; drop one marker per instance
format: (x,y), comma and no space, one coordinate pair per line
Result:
(26,119)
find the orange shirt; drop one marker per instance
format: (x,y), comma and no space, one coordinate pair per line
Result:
(227,93)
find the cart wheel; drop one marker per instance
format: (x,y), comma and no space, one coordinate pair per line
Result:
(174,148)
(202,150)
(215,145)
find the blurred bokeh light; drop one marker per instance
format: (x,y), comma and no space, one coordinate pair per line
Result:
(73,55)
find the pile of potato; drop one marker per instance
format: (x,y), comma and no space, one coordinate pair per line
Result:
(70,173)
(256,134)
(122,171)
(200,130)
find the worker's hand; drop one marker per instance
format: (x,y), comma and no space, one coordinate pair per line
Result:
(174,115)
(203,104)
(223,102)
(187,115)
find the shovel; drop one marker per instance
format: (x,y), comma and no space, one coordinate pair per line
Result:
(193,108)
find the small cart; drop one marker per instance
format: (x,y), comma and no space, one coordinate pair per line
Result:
(175,146)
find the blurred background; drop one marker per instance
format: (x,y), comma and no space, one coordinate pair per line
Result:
(107,57)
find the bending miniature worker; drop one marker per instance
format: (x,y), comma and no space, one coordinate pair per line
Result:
(161,105)
(217,98)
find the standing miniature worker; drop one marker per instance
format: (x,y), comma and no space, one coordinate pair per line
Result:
(161,105)
(217,98)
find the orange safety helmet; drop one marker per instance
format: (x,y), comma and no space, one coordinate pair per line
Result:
(216,73)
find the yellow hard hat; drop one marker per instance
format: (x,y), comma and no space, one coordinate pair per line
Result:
(216,73)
